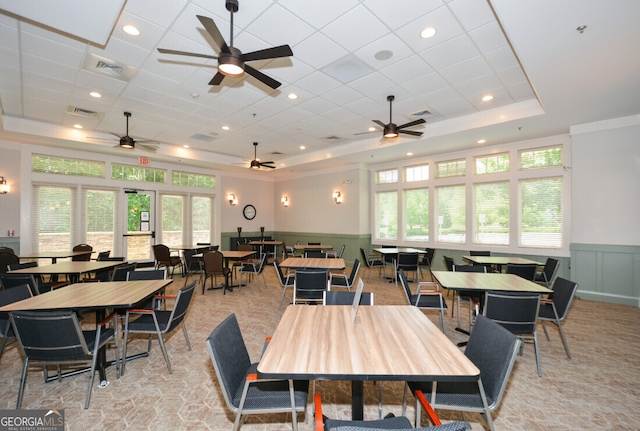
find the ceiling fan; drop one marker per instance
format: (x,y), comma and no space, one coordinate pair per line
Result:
(392,130)
(128,142)
(231,61)
(257,164)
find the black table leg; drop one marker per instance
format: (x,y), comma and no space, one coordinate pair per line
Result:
(357,400)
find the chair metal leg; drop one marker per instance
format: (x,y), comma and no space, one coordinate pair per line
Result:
(186,337)
(164,352)
(23,379)
(294,415)
(487,412)
(535,345)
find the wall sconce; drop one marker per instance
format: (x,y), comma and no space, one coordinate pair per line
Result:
(232,199)
(285,201)
(4,187)
(337,197)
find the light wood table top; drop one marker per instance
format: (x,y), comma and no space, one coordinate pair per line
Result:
(266,242)
(53,255)
(313,247)
(486,281)
(313,263)
(396,250)
(87,296)
(499,260)
(386,342)
(77,267)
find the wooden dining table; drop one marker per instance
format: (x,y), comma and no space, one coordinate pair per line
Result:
(499,261)
(384,342)
(96,297)
(74,269)
(483,282)
(53,255)
(313,247)
(313,263)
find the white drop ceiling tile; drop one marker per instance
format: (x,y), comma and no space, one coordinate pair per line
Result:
(295,114)
(501,58)
(95,105)
(356,28)
(11,103)
(277,26)
(52,68)
(338,113)
(153,82)
(447,27)
(47,110)
(456,108)
(389,42)
(179,71)
(512,75)
(100,83)
(137,93)
(317,83)
(371,82)
(501,97)
(342,95)
(11,78)
(472,13)
(8,36)
(270,106)
(51,36)
(362,106)
(182,104)
(483,84)
(396,14)
(319,14)
(149,35)
(122,52)
(293,73)
(521,91)
(489,37)
(248,94)
(406,70)
(50,50)
(451,52)
(318,50)
(34,81)
(161,13)
(317,105)
(228,104)
(466,70)
(8,20)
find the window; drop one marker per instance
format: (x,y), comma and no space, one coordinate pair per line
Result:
(453,168)
(193,180)
(135,173)
(416,215)
(201,213)
(172,220)
(541,158)
(100,218)
(491,213)
(416,173)
(53,209)
(451,210)
(492,164)
(540,213)
(58,165)
(387,177)
(387,215)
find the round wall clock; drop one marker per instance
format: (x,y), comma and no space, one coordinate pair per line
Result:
(249,212)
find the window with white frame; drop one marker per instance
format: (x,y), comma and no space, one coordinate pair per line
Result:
(387,215)
(172,219)
(416,173)
(53,221)
(100,213)
(201,218)
(491,213)
(389,176)
(416,215)
(451,168)
(541,157)
(452,214)
(492,164)
(540,217)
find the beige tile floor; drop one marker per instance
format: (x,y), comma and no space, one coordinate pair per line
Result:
(599,389)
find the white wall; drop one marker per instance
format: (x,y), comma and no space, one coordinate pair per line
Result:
(606,180)
(10,203)
(248,189)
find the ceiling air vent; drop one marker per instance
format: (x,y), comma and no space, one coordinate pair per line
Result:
(276,153)
(83,112)
(332,138)
(423,113)
(107,67)
(202,138)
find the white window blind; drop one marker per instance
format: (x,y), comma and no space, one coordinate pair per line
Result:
(540,213)
(451,210)
(172,220)
(201,218)
(100,219)
(416,215)
(491,213)
(53,210)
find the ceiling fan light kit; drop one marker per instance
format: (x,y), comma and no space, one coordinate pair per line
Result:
(391,130)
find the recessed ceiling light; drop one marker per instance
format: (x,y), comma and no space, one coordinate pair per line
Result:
(371,129)
(133,31)
(95,94)
(428,33)
(292,96)
(225,127)
(185,146)
(487,98)
(302,147)
(482,141)
(385,54)
(409,153)
(77,126)
(194,95)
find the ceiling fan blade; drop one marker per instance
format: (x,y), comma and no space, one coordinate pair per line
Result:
(410,132)
(265,54)
(213,31)
(267,166)
(267,163)
(190,54)
(413,123)
(262,77)
(367,133)
(380,123)
(217,79)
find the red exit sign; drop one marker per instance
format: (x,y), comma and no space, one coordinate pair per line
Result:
(143,160)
